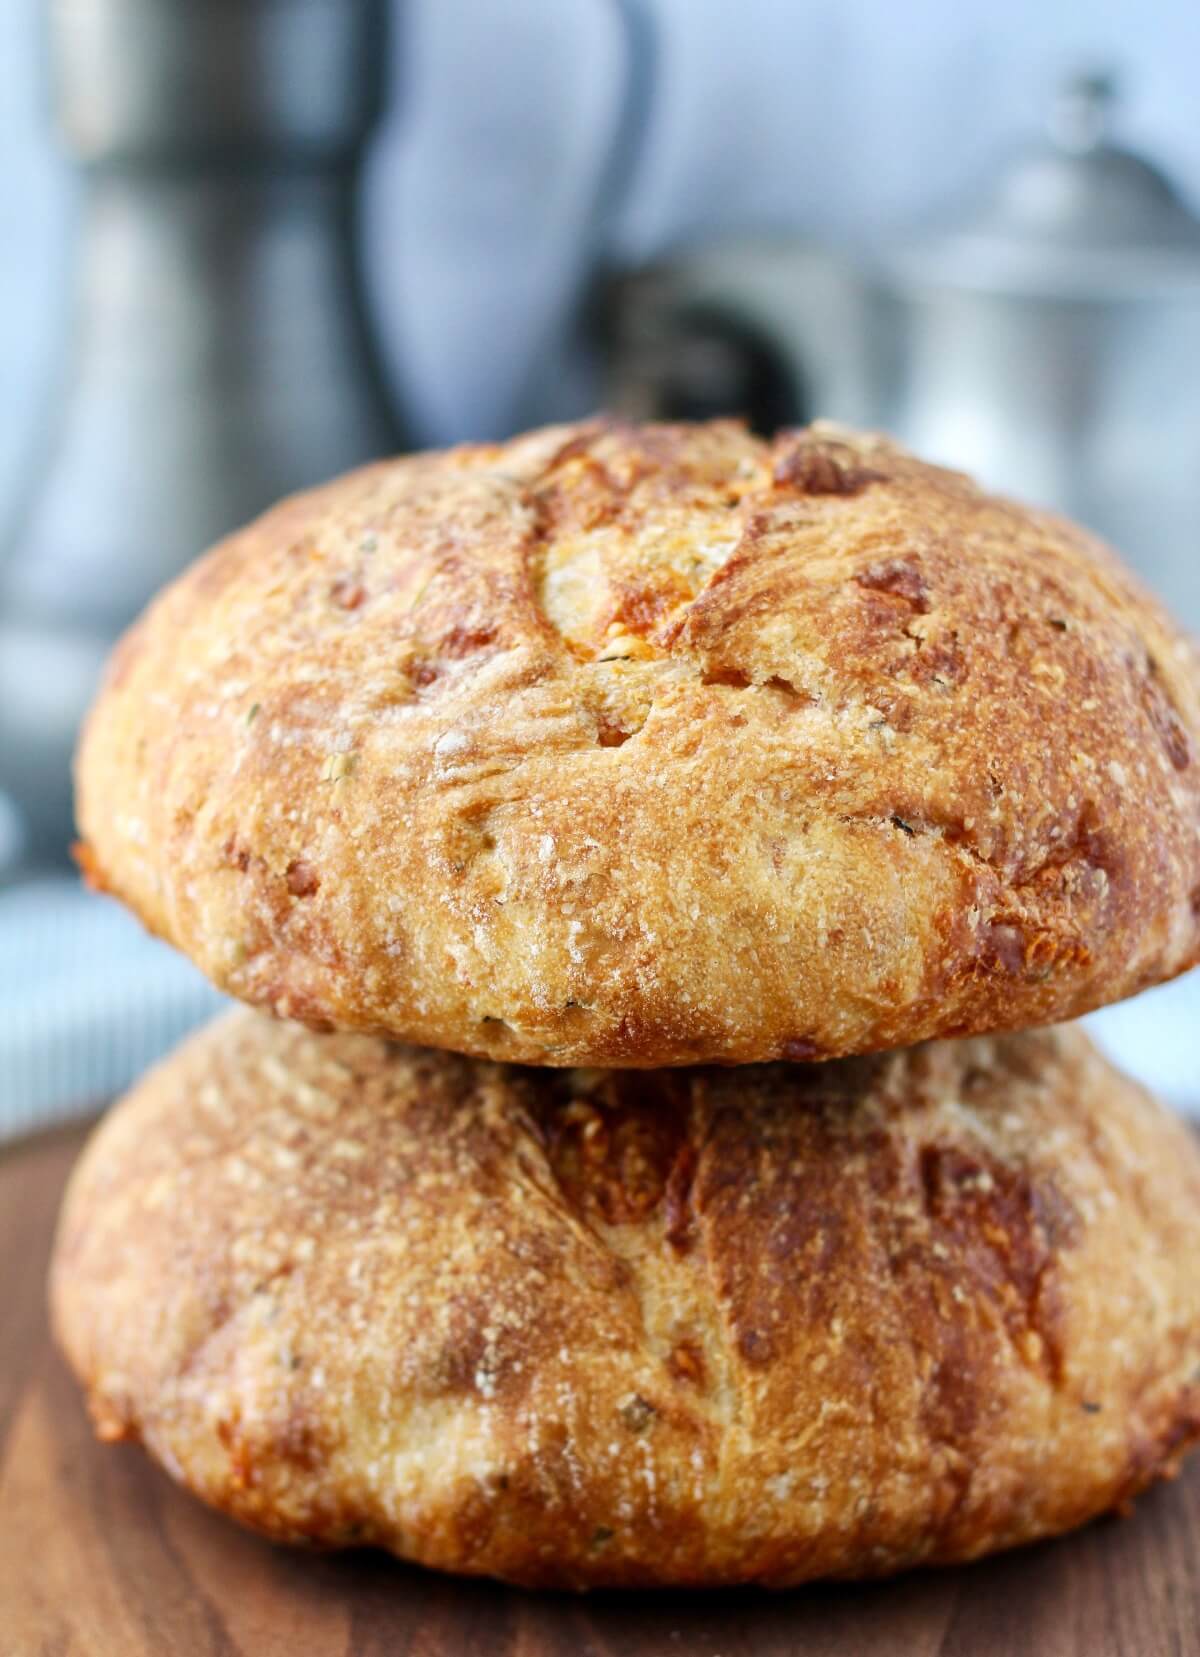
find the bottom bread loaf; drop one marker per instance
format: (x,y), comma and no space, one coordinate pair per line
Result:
(691,1327)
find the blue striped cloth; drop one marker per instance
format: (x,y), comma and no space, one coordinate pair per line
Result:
(87,1002)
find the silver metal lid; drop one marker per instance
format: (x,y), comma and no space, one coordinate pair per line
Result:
(1072,216)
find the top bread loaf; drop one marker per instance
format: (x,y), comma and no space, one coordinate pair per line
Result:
(637,746)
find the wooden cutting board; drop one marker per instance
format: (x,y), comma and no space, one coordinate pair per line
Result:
(101,1556)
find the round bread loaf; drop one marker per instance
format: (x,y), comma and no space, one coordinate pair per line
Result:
(646,746)
(693,1326)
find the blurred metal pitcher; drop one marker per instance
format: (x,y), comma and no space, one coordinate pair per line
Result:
(220,355)
(1049,340)
(1045,336)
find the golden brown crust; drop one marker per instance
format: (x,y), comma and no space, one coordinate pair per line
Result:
(645,746)
(694,1327)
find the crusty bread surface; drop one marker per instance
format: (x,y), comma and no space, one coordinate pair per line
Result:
(640,746)
(698,1326)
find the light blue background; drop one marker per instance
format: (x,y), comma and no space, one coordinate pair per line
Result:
(831,116)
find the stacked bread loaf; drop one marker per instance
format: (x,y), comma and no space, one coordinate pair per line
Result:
(712,820)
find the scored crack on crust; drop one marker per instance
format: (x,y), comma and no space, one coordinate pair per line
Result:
(694,1326)
(654,745)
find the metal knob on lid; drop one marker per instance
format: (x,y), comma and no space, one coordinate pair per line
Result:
(1080,116)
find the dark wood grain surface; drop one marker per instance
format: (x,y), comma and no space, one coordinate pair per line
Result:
(100,1555)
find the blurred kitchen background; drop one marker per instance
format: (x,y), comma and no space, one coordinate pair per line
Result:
(245,243)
